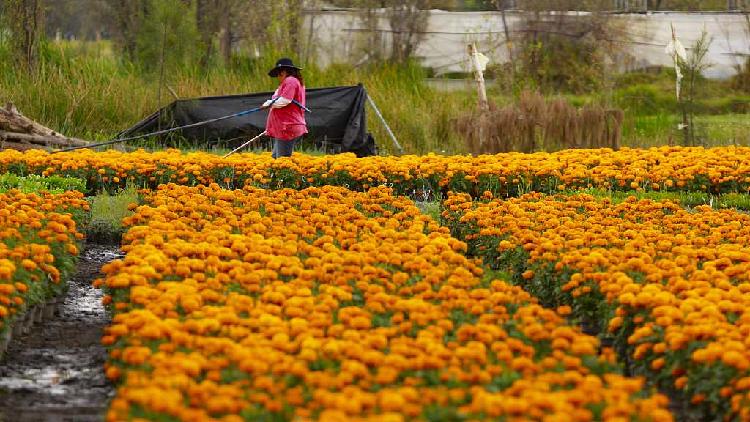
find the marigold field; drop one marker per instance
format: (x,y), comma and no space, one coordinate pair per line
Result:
(314,288)
(38,245)
(670,286)
(717,170)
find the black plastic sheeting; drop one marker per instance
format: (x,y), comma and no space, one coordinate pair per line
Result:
(337,121)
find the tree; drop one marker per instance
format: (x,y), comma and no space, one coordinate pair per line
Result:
(167,35)
(407,22)
(128,18)
(692,67)
(86,19)
(227,22)
(564,51)
(154,33)
(741,81)
(372,43)
(295,25)
(271,26)
(211,22)
(25,21)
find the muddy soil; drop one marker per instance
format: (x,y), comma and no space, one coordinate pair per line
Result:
(55,373)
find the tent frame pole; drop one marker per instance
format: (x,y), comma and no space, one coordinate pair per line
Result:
(385,124)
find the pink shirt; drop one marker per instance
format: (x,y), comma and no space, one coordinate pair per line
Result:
(288,122)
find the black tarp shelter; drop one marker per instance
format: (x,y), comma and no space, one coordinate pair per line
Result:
(337,121)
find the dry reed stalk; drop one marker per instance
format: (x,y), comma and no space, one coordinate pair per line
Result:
(534,123)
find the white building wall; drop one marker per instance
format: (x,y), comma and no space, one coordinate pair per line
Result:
(337,36)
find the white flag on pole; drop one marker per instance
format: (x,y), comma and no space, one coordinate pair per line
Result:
(481,61)
(677,51)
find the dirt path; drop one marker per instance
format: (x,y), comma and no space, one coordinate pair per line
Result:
(55,373)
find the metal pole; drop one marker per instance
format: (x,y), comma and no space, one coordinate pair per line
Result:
(387,128)
(245,144)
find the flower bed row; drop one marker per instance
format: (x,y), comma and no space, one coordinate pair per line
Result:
(325,304)
(38,248)
(715,170)
(671,286)
(33,183)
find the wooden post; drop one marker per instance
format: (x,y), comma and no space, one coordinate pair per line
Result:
(484,106)
(478,77)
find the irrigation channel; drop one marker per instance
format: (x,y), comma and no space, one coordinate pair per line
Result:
(55,371)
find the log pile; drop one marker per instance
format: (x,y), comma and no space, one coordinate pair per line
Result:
(19,132)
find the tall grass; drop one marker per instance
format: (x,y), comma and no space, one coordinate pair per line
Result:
(87,91)
(644,131)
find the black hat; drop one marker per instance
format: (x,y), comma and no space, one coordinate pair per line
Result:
(281,64)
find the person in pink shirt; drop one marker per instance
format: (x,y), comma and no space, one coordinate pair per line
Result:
(286,120)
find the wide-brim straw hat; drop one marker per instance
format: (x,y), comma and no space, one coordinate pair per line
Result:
(282,64)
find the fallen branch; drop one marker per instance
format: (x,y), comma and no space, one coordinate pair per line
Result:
(49,141)
(19,145)
(17,129)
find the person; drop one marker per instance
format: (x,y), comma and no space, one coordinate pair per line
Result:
(286,119)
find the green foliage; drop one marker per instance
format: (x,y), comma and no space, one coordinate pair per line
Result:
(690,199)
(741,81)
(647,130)
(661,129)
(432,209)
(107,212)
(644,99)
(692,68)
(559,52)
(33,183)
(559,64)
(732,103)
(22,31)
(739,201)
(168,35)
(653,113)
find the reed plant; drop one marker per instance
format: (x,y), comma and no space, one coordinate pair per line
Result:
(535,123)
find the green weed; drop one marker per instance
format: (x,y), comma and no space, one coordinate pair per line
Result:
(739,201)
(107,213)
(432,209)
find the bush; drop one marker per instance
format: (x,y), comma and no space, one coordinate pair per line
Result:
(730,104)
(644,99)
(644,77)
